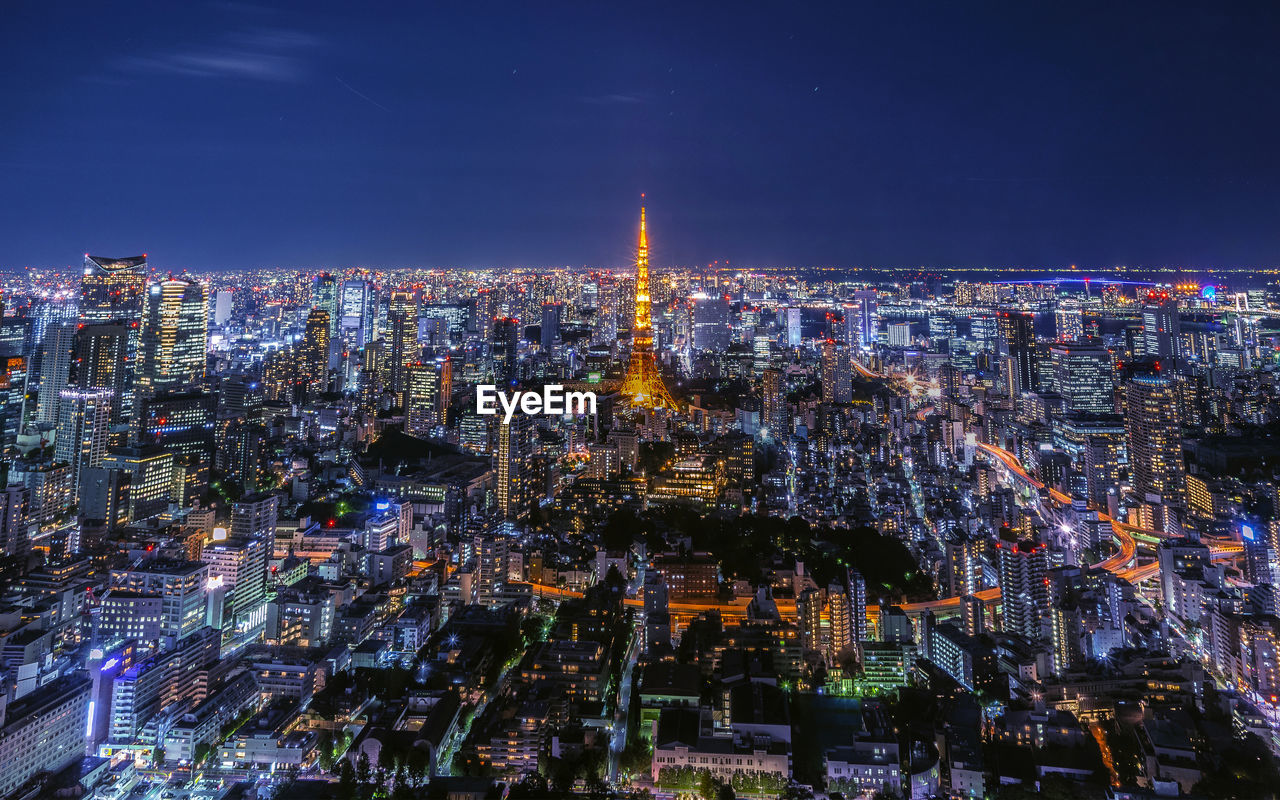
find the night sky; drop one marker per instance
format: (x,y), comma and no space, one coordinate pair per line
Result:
(886,134)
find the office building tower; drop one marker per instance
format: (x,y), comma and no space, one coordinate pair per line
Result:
(402,331)
(514,473)
(1261,561)
(711,323)
(1018,346)
(791,331)
(550,332)
(101,361)
(899,334)
(83,423)
(504,335)
(430,386)
(111,289)
(182,423)
(131,485)
(867,322)
(175,330)
(357,308)
(840,633)
(774,404)
(182,587)
(837,373)
(324,296)
(56,355)
(313,361)
(222,300)
(1161,329)
(13,401)
(1083,375)
(238,566)
(254,516)
(1154,440)
(1023,567)
(43,731)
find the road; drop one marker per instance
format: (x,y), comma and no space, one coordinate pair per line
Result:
(621,716)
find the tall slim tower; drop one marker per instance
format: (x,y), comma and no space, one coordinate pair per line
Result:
(643,386)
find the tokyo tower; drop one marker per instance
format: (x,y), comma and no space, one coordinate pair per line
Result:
(643,386)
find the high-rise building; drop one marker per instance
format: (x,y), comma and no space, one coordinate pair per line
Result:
(55,368)
(868,320)
(182,587)
(1018,346)
(101,361)
(1161,329)
(711,325)
(324,296)
(43,731)
(1083,375)
(314,356)
(1154,439)
(183,424)
(514,474)
(111,288)
(15,509)
(356,306)
(402,330)
(774,404)
(643,386)
(175,329)
(837,373)
(550,333)
(133,484)
(255,516)
(1023,568)
(238,566)
(83,423)
(430,385)
(504,333)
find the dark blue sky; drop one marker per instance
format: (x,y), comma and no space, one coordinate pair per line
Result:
(466,133)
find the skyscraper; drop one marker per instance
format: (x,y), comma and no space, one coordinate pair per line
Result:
(514,456)
(1023,567)
(1161,329)
(55,368)
(81,441)
(314,357)
(402,330)
(868,321)
(100,361)
(111,288)
(774,404)
(643,386)
(1154,439)
(175,329)
(710,322)
(1083,375)
(324,296)
(1018,345)
(551,313)
(837,373)
(427,397)
(356,309)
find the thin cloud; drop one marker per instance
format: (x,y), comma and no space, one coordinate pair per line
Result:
(273,55)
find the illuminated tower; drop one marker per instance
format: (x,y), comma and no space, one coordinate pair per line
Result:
(175,328)
(643,386)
